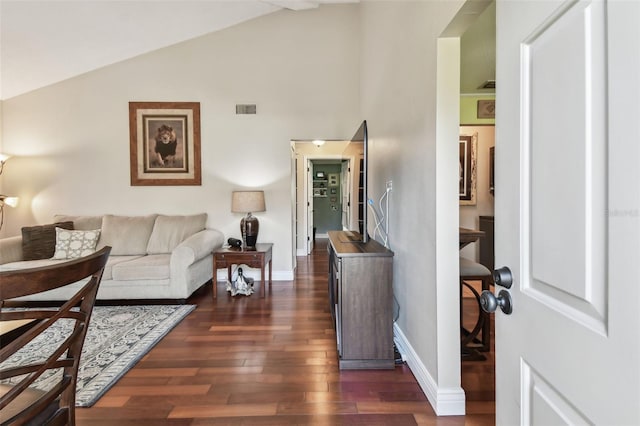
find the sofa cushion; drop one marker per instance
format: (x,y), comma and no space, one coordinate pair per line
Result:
(39,242)
(169,231)
(73,244)
(151,267)
(83,223)
(127,235)
(111,262)
(26,264)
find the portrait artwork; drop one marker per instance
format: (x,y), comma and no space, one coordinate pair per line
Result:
(165,143)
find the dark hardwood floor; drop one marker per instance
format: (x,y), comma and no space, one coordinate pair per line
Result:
(250,361)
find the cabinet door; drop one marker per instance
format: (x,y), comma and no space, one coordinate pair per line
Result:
(367,324)
(334,297)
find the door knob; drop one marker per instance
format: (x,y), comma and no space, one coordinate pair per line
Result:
(503,277)
(489,302)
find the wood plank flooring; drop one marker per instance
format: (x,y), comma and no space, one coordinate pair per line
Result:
(250,361)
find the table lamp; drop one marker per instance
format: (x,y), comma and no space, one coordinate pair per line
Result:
(248,202)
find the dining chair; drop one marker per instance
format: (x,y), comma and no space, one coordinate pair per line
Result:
(21,402)
(473,271)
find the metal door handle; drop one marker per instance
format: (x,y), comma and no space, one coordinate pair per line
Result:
(503,277)
(489,302)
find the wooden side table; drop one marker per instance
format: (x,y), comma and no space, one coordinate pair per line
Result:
(253,258)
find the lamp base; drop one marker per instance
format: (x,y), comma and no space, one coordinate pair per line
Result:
(249,226)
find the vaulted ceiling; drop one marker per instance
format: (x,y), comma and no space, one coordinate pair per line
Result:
(43,42)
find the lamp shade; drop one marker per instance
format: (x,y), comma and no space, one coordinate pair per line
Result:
(247,201)
(10,201)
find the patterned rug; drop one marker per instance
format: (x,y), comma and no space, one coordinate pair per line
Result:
(117,338)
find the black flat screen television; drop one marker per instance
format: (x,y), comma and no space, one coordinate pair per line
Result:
(357,149)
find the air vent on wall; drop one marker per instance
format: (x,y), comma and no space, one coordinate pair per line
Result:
(489,84)
(245,108)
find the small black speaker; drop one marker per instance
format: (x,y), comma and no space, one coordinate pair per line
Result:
(234,242)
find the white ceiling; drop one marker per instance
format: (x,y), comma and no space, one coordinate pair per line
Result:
(478,52)
(43,42)
(47,41)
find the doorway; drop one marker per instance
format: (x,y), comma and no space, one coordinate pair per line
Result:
(330,191)
(327,209)
(468,46)
(477,124)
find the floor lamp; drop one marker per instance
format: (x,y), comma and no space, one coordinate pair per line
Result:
(5,199)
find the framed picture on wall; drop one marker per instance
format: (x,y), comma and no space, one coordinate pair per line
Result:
(486,108)
(164,143)
(467,169)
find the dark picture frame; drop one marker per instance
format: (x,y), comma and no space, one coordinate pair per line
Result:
(467,169)
(164,143)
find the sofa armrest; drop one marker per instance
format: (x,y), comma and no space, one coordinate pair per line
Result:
(196,247)
(10,249)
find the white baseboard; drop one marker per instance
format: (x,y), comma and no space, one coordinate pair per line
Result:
(301,252)
(445,401)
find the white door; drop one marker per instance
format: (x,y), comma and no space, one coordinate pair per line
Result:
(568,212)
(309,207)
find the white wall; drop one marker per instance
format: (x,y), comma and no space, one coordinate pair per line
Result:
(399,93)
(71,140)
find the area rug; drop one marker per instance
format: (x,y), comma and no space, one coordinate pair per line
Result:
(117,338)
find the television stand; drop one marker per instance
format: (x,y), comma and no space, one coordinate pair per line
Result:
(350,237)
(361,302)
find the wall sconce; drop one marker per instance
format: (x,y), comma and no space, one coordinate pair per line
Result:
(248,202)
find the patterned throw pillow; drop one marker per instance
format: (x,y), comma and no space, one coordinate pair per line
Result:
(74,244)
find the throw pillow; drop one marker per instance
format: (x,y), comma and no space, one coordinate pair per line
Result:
(74,244)
(169,231)
(127,235)
(39,242)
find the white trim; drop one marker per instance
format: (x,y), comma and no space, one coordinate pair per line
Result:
(445,401)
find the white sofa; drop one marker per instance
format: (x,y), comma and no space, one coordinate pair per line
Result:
(152,257)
